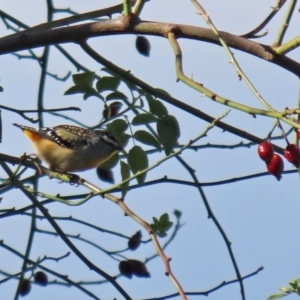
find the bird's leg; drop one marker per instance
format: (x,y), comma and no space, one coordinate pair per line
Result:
(35,159)
(73,178)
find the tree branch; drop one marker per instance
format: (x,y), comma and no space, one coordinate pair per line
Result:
(74,34)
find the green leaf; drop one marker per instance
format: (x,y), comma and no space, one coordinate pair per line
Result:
(285,289)
(116,96)
(276,296)
(162,92)
(164,218)
(177,213)
(138,161)
(84,79)
(130,85)
(168,131)
(125,173)
(117,127)
(156,222)
(91,92)
(107,83)
(123,139)
(83,88)
(74,90)
(111,162)
(161,226)
(156,107)
(155,225)
(146,138)
(165,222)
(294,284)
(142,119)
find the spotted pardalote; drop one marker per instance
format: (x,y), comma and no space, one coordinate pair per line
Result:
(67,148)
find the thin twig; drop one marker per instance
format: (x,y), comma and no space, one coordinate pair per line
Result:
(240,72)
(285,23)
(63,277)
(197,86)
(217,224)
(80,17)
(169,99)
(275,10)
(62,235)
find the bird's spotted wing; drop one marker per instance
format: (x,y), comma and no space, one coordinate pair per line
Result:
(67,136)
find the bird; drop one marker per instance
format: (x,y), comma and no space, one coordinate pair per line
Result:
(67,148)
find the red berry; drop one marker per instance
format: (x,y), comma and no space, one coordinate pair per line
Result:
(265,151)
(275,166)
(292,154)
(298,134)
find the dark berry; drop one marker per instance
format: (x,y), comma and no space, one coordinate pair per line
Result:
(41,278)
(126,268)
(105,175)
(138,268)
(135,241)
(142,45)
(112,110)
(25,287)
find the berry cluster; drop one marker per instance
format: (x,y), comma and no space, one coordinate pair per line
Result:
(40,278)
(274,161)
